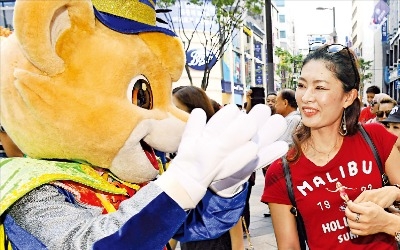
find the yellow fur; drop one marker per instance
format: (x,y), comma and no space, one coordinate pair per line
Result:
(64,92)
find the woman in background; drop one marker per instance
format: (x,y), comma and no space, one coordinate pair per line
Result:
(188,98)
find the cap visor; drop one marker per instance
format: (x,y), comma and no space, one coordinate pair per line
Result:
(128,26)
(390,119)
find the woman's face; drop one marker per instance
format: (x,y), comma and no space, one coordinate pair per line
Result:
(384,111)
(393,128)
(320,96)
(374,107)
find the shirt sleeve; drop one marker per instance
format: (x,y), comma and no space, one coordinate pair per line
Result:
(212,217)
(275,190)
(292,124)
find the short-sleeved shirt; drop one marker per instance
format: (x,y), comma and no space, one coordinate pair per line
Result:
(366,115)
(292,119)
(322,208)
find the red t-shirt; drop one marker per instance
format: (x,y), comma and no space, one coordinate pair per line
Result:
(366,115)
(354,167)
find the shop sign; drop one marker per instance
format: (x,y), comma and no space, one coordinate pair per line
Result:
(197,58)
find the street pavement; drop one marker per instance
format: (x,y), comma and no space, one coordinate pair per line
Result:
(261,231)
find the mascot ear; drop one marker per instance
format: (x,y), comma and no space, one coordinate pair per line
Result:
(39,24)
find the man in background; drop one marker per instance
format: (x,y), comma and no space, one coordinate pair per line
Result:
(286,106)
(366,112)
(271,101)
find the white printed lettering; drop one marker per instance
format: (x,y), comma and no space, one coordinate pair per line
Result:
(198,57)
(334,225)
(318,181)
(346,237)
(353,170)
(305,185)
(342,171)
(345,222)
(364,166)
(325,228)
(328,176)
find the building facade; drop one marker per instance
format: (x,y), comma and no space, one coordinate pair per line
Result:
(375,37)
(243,63)
(392,45)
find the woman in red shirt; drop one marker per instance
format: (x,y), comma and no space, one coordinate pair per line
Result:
(329,148)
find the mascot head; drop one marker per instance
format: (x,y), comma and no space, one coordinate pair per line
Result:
(91,81)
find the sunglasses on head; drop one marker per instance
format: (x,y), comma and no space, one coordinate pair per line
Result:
(381,113)
(335,48)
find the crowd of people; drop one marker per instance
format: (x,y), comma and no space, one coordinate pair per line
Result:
(329,159)
(335,179)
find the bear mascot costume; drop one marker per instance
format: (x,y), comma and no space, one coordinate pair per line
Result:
(86,95)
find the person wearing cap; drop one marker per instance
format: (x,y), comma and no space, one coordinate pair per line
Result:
(392,122)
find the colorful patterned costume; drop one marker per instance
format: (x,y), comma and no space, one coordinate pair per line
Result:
(83,194)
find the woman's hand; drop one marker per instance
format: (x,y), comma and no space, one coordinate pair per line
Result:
(368,218)
(384,197)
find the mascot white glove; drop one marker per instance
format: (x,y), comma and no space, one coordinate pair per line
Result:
(224,142)
(269,149)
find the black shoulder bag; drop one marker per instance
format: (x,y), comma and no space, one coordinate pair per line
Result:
(299,220)
(385,179)
(289,185)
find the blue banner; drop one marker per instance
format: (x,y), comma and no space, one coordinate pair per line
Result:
(386,75)
(238,89)
(381,11)
(259,74)
(257,50)
(398,69)
(384,31)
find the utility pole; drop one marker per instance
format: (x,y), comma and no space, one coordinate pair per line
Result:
(334,34)
(270,50)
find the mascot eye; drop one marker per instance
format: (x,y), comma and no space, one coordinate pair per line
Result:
(139,92)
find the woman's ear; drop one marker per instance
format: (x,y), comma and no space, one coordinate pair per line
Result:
(350,97)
